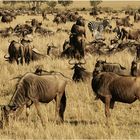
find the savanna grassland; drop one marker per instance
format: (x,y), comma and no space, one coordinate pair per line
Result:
(84,117)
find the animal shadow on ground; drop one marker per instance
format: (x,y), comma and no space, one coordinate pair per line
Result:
(83,122)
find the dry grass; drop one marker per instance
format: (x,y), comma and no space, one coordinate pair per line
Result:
(84,117)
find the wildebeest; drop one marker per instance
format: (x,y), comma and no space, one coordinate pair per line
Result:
(123,22)
(78,30)
(60,18)
(43,31)
(28,53)
(23,30)
(16,52)
(94,12)
(7,18)
(33,88)
(53,51)
(129,12)
(77,37)
(135,71)
(80,73)
(44,15)
(110,87)
(21,52)
(80,21)
(71,16)
(6,32)
(35,23)
(136,17)
(103,66)
(130,34)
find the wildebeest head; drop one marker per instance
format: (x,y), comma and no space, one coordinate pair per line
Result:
(99,66)
(78,70)
(80,21)
(50,46)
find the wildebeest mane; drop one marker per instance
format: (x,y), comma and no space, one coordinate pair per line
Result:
(102,80)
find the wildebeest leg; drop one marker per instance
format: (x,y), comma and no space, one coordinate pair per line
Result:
(27,111)
(17,61)
(82,48)
(137,96)
(112,104)
(57,110)
(10,60)
(107,105)
(62,106)
(18,112)
(39,113)
(21,60)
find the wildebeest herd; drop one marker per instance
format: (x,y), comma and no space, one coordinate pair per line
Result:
(111,82)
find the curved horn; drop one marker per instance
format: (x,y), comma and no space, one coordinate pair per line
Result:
(71,63)
(18,77)
(6,56)
(82,62)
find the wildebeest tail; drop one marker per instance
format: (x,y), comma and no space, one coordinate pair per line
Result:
(62,106)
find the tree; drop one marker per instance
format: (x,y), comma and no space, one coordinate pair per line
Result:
(95,4)
(52,4)
(65,2)
(11,3)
